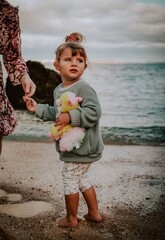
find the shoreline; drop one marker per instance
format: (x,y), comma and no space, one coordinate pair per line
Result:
(108,139)
(129,181)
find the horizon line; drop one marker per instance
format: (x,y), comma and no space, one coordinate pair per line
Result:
(48,61)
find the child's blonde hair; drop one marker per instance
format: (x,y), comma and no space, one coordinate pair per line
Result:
(72,41)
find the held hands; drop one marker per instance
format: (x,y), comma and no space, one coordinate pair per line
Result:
(30,104)
(28,86)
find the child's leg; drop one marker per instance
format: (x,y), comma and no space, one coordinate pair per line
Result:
(71,190)
(91,200)
(70,220)
(89,195)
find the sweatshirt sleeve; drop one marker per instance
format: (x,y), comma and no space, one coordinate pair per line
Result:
(45,112)
(89,111)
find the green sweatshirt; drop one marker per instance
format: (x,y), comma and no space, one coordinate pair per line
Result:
(86,116)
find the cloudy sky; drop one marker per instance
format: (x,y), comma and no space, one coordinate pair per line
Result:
(115,30)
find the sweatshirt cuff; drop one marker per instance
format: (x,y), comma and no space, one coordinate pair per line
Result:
(40,110)
(75,118)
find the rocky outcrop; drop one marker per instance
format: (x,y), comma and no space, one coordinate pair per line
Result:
(45,79)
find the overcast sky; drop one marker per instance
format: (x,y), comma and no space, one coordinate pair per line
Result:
(115,30)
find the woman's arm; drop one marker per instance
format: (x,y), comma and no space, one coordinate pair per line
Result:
(12,55)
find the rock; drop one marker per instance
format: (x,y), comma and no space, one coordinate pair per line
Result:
(45,79)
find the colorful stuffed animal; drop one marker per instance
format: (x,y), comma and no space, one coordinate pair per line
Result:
(69,137)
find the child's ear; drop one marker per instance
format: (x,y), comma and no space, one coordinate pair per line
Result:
(57,66)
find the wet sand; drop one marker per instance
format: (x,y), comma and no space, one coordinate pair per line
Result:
(130,186)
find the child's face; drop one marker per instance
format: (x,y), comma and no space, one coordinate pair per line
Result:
(70,67)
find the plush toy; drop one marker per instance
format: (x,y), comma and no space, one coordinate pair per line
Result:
(69,137)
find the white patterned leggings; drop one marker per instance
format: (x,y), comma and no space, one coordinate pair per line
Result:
(75,177)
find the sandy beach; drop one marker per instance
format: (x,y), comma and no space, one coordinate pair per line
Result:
(130,185)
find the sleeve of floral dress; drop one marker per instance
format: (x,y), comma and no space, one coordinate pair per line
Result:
(12,55)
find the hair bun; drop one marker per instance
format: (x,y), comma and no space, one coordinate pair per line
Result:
(74,37)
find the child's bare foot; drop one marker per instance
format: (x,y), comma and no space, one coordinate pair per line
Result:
(64,222)
(94,218)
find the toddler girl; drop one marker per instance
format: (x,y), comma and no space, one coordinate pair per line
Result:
(71,61)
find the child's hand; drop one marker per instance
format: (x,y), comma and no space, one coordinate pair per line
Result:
(30,104)
(62,120)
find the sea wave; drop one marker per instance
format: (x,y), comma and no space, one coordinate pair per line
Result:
(134,136)
(151,136)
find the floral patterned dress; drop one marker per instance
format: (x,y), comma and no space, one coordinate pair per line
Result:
(10,49)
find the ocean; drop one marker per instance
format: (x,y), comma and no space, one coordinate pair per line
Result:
(132,97)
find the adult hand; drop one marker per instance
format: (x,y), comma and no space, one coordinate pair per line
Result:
(28,85)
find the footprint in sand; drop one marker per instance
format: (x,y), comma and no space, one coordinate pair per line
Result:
(22,210)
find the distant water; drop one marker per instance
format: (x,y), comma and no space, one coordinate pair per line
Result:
(132,97)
